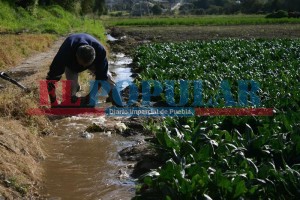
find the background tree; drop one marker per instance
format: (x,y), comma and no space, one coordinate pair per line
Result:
(45,2)
(252,6)
(142,7)
(292,5)
(156,10)
(219,2)
(25,3)
(231,7)
(87,6)
(66,4)
(99,7)
(201,4)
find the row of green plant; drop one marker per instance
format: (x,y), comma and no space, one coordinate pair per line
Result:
(199,20)
(227,157)
(273,64)
(50,19)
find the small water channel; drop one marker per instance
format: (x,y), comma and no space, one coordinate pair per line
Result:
(78,168)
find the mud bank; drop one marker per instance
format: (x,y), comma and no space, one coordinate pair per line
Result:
(129,37)
(20,152)
(141,153)
(20,145)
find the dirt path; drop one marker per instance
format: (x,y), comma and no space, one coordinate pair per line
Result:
(28,69)
(36,62)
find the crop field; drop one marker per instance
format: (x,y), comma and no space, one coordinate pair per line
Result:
(227,157)
(197,20)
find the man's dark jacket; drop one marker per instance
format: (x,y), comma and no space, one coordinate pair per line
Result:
(66,57)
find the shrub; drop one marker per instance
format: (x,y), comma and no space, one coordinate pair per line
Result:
(156,10)
(278,14)
(116,14)
(214,10)
(200,11)
(26,4)
(56,11)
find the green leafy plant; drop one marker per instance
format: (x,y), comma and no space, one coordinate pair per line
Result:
(227,157)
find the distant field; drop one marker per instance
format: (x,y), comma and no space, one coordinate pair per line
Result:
(196,20)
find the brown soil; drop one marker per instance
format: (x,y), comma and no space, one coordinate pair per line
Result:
(134,36)
(20,154)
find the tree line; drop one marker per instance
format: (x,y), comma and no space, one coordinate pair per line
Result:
(239,6)
(84,7)
(200,7)
(75,6)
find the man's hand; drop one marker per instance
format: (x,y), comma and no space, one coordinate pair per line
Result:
(51,92)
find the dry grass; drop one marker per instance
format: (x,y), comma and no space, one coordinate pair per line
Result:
(20,153)
(20,147)
(20,143)
(14,48)
(14,104)
(20,150)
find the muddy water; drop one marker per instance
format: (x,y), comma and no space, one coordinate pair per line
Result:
(120,66)
(79,168)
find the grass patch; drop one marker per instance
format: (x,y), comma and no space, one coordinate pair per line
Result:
(14,104)
(94,27)
(50,19)
(41,29)
(14,48)
(197,20)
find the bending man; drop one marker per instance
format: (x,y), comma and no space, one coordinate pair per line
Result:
(78,53)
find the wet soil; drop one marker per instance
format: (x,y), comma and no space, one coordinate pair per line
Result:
(129,37)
